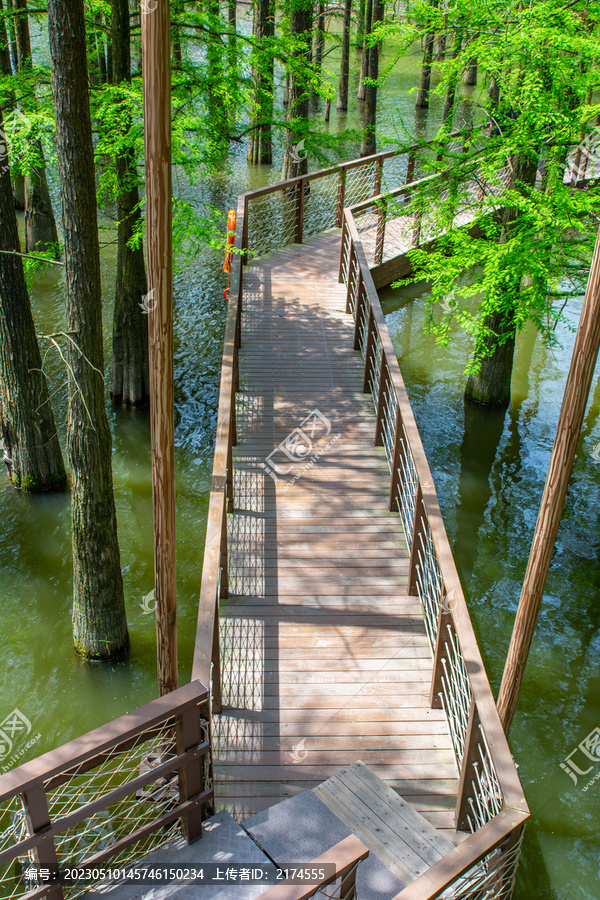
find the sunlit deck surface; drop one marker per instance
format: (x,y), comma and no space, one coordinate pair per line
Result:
(325,656)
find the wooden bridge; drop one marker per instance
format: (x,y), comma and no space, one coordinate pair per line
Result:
(332,628)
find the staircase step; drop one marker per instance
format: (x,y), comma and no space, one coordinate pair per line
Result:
(299,829)
(389,826)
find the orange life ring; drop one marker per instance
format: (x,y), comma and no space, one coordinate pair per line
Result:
(230,240)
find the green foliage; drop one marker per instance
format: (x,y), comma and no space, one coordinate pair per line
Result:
(537,238)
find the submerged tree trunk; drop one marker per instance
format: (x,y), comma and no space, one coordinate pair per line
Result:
(368,143)
(451,91)
(295,160)
(31,449)
(491,383)
(99,622)
(364,63)
(342,98)
(260,144)
(360,25)
(40,224)
(129,365)
(422,101)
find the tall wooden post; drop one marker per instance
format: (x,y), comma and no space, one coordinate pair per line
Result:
(579,380)
(156,63)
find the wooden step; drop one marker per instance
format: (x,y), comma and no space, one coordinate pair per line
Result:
(389,826)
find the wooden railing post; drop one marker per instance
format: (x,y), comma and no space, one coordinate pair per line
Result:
(416,232)
(380,238)
(347,889)
(341,195)
(189,735)
(384,376)
(418,533)
(344,246)
(360,300)
(467,769)
(444,622)
(299,210)
(378,177)
(38,818)
(410,169)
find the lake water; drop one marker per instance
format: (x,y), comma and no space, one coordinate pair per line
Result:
(489,470)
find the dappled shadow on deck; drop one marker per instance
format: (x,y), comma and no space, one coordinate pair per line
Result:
(325,656)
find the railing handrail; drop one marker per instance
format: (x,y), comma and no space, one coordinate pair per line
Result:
(95,743)
(345,856)
(473,660)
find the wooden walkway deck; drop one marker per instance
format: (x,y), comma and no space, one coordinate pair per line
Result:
(325,656)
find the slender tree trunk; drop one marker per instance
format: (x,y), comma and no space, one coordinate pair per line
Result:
(319,36)
(470,74)
(491,384)
(342,98)
(5,64)
(451,91)
(100,49)
(260,144)
(218,101)
(18,179)
(129,365)
(440,48)
(12,36)
(364,63)
(295,164)
(31,449)
(360,26)
(99,622)
(40,224)
(422,101)
(368,144)
(176,32)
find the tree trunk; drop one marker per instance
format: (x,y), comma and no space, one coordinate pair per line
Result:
(342,98)
(300,24)
(368,144)
(260,146)
(218,104)
(320,36)
(12,36)
(451,91)
(491,384)
(40,224)
(99,622)
(422,101)
(364,63)
(31,449)
(129,365)
(176,32)
(5,64)
(360,26)
(10,56)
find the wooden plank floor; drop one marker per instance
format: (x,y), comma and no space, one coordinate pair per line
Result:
(325,657)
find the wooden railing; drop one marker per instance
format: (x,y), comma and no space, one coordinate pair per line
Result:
(345,856)
(490,798)
(269,218)
(109,797)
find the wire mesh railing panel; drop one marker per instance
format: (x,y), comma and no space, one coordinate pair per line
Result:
(485,801)
(320,204)
(455,693)
(366,224)
(429,584)
(388,423)
(363,328)
(13,830)
(492,878)
(407,489)
(376,353)
(360,183)
(104,828)
(271,221)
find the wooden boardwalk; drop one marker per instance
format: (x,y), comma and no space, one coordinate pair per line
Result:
(325,656)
